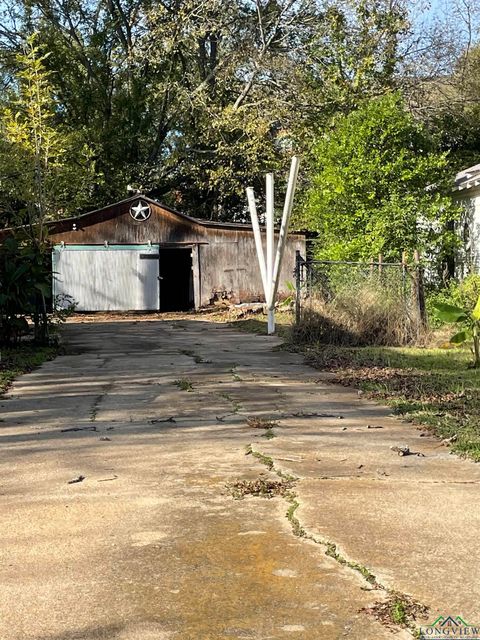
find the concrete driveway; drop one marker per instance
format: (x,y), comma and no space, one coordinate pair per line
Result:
(151,545)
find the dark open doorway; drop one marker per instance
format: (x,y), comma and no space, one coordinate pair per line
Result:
(176,279)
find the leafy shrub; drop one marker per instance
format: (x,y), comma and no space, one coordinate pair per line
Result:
(24,283)
(64,307)
(468,320)
(25,286)
(462,294)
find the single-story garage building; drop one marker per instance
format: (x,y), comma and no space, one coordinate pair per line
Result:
(140,255)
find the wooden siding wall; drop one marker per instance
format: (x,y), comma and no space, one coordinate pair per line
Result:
(227,256)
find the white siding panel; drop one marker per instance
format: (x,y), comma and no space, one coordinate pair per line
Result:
(475,233)
(107,279)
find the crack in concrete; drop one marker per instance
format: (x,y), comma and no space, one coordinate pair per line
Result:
(96,403)
(331,548)
(236,406)
(196,358)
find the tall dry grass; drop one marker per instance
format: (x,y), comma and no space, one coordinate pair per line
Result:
(357,316)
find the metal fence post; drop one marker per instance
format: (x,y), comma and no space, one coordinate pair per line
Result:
(298,286)
(419,290)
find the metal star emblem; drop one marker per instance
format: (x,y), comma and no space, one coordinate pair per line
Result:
(141,211)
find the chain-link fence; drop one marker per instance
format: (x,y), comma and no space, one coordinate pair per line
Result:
(358,303)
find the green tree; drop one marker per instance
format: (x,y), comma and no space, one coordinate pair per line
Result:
(356,52)
(267,74)
(44,172)
(379,185)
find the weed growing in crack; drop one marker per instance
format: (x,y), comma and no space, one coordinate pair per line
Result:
(235,376)
(333,553)
(297,528)
(184,384)
(398,610)
(368,575)
(262,488)
(236,406)
(263,423)
(266,460)
(286,476)
(196,358)
(269,434)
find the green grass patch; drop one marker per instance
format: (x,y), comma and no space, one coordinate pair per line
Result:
(22,359)
(432,387)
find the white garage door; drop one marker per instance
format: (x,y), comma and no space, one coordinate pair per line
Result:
(113,278)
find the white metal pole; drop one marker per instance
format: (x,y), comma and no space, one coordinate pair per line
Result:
(287,210)
(258,238)
(270,247)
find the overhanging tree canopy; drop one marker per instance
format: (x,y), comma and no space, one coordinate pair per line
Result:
(192,100)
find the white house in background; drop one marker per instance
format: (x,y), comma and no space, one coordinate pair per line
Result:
(467,191)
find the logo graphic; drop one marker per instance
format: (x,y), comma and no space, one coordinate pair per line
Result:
(141,211)
(449,627)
